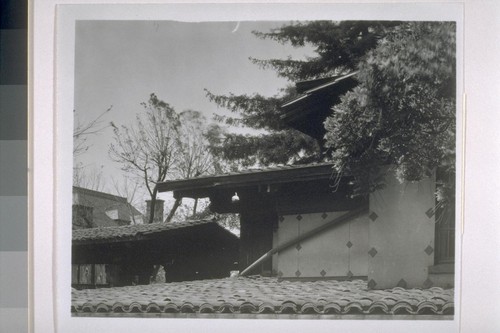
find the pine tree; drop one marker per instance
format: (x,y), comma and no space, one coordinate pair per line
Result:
(339,47)
(401,113)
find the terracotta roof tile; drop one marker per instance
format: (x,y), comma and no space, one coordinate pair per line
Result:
(259,295)
(131,231)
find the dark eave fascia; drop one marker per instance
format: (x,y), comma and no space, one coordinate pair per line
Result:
(296,105)
(303,86)
(97,241)
(259,177)
(153,235)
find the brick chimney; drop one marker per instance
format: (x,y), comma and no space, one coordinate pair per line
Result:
(83,217)
(158,213)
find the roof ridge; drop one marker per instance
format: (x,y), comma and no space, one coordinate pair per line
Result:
(277,167)
(132,230)
(101,194)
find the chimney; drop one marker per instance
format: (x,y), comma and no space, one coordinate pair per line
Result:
(158,214)
(83,217)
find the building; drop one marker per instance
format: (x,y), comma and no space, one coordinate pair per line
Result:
(300,222)
(127,255)
(98,209)
(307,248)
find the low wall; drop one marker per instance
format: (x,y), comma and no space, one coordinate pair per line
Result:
(401,234)
(340,251)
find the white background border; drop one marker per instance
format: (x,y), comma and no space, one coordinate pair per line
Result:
(480,292)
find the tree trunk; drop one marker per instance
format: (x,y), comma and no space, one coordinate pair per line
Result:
(195,206)
(153,203)
(176,205)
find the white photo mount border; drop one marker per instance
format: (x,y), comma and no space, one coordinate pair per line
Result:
(52,291)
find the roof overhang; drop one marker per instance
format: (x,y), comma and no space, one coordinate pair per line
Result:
(307,112)
(146,232)
(204,186)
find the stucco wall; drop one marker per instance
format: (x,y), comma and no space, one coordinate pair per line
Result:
(340,251)
(401,234)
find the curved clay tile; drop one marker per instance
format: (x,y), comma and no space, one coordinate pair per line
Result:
(187,308)
(288,308)
(266,308)
(448,308)
(171,308)
(311,308)
(135,307)
(153,308)
(403,307)
(226,308)
(332,308)
(263,296)
(248,307)
(118,307)
(207,308)
(353,308)
(87,307)
(378,307)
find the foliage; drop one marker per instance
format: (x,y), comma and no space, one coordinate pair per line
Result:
(164,144)
(274,143)
(401,113)
(89,178)
(197,138)
(81,133)
(148,148)
(196,151)
(403,110)
(338,46)
(229,221)
(281,147)
(127,188)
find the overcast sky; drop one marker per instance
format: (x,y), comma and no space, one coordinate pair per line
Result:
(120,63)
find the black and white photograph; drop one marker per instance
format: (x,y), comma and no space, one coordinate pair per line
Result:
(264,169)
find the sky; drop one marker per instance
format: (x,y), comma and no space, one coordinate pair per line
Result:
(118,64)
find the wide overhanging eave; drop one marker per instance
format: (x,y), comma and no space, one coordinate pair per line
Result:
(203,187)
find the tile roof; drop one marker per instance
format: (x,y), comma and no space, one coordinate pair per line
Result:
(266,169)
(259,295)
(252,175)
(130,232)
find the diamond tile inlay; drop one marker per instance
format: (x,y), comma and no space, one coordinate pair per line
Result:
(282,218)
(349,274)
(280,273)
(373,216)
(323,273)
(324,216)
(373,252)
(299,217)
(298,247)
(428,283)
(349,244)
(372,284)
(429,250)
(402,283)
(298,273)
(429,212)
